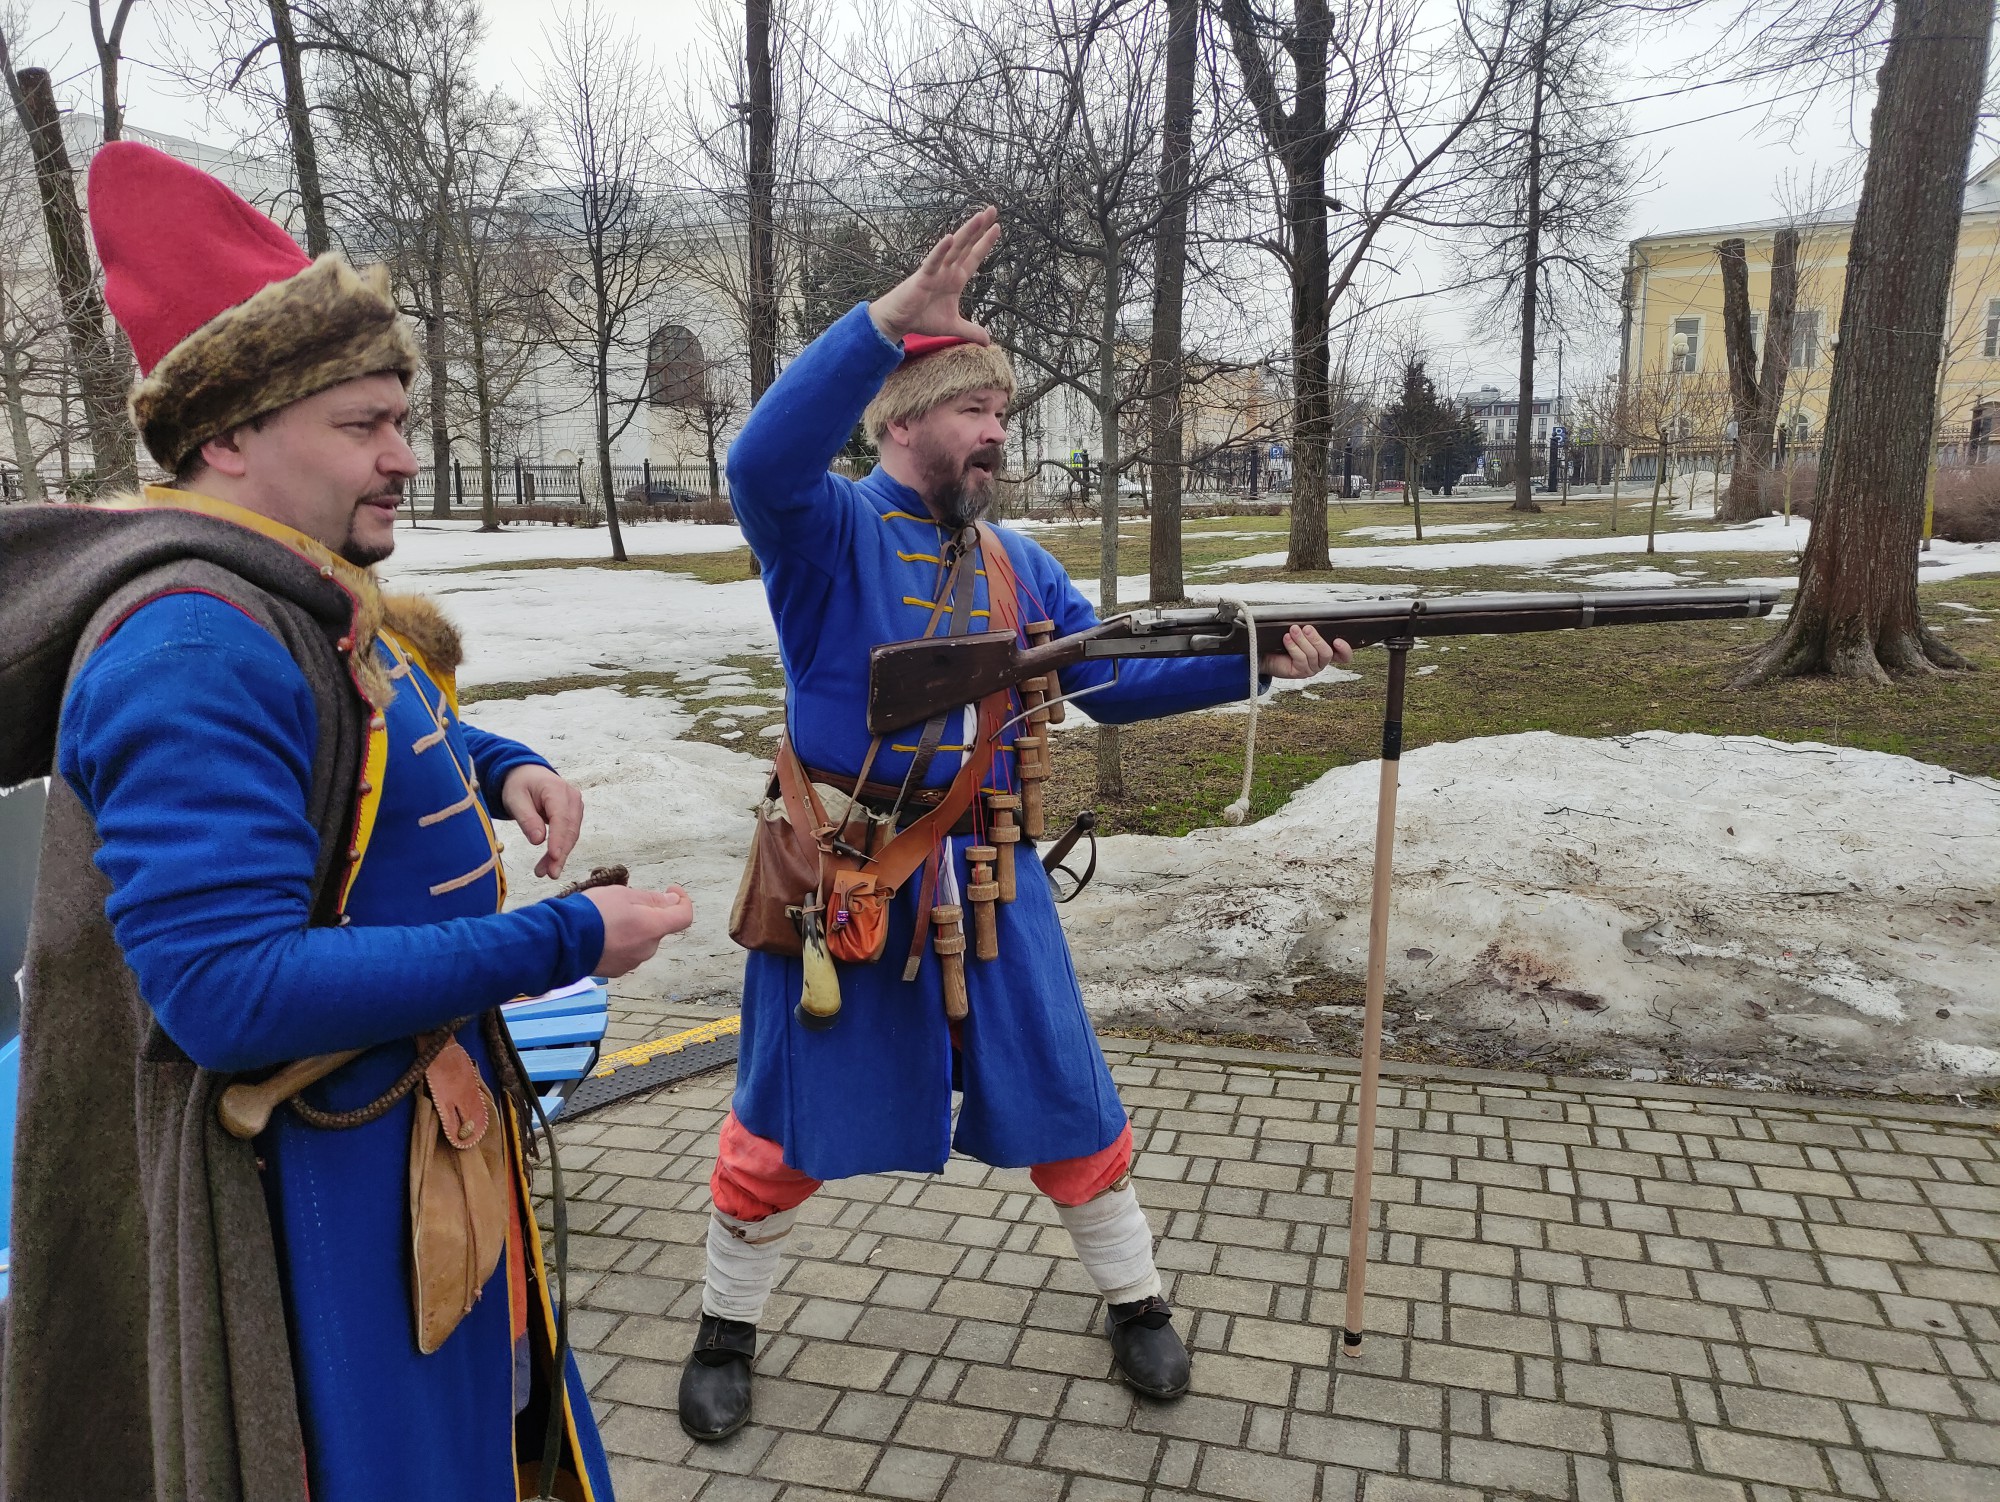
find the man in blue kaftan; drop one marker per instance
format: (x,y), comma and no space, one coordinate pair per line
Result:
(292,829)
(847,566)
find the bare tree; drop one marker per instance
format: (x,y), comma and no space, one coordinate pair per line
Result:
(605,221)
(432,172)
(752,204)
(102,377)
(1668,410)
(1756,398)
(31,324)
(760,128)
(230,48)
(1856,615)
(1365,76)
(110,42)
(400,134)
(1549,181)
(1053,114)
(1167,373)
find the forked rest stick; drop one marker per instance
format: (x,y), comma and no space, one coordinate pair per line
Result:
(1371,1027)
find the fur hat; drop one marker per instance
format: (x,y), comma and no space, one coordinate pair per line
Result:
(228,318)
(936,369)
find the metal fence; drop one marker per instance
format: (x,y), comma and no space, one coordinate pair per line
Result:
(526,484)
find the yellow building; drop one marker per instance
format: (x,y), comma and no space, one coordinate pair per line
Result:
(1673,287)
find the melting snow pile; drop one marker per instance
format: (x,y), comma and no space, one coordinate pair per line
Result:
(1768,908)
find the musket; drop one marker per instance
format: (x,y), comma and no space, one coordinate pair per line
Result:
(909,682)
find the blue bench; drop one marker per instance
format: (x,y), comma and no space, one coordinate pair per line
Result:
(559,1036)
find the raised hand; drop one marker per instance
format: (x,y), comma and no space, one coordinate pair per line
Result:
(926,301)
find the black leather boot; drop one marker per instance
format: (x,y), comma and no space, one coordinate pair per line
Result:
(715,1383)
(1149,1353)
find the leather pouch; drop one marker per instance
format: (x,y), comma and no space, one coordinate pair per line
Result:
(857,917)
(459,1188)
(783,866)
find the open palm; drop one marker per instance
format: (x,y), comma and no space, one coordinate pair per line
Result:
(927,301)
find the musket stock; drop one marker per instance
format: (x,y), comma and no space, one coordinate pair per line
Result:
(909,682)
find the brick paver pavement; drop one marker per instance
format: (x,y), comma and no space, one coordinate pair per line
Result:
(1606,1293)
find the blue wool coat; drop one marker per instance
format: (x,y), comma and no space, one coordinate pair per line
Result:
(849,565)
(189,736)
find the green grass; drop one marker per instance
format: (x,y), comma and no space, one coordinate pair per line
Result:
(1210,542)
(1180,773)
(729,567)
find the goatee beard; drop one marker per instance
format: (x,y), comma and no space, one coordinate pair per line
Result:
(364,555)
(958,507)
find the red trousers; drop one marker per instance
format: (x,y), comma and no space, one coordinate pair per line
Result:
(751,1180)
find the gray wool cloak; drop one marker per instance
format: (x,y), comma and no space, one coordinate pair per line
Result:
(146,1353)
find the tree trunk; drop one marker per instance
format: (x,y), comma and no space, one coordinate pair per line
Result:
(1413,486)
(1755,399)
(604,453)
(761,122)
(1110,766)
(108,45)
(1164,381)
(1856,613)
(1531,278)
(101,376)
(1653,512)
(298,128)
(15,392)
(1312,416)
(482,388)
(437,369)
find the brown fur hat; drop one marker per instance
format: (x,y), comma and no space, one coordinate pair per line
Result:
(290,340)
(931,380)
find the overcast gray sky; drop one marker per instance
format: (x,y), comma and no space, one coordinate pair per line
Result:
(1714,158)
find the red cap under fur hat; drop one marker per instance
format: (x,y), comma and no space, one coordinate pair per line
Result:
(936,369)
(228,318)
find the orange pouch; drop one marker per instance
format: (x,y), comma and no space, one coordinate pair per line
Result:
(857,918)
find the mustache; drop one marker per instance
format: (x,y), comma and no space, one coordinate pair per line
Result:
(991,455)
(390,491)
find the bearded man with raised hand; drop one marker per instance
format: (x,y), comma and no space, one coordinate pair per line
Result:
(849,565)
(269,838)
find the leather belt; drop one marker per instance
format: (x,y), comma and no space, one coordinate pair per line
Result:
(880,797)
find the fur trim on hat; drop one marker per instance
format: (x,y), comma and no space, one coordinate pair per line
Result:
(916,386)
(293,339)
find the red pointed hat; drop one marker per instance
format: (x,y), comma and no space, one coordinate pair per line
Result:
(916,346)
(936,368)
(228,318)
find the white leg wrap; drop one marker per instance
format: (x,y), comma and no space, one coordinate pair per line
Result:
(1114,1244)
(743,1264)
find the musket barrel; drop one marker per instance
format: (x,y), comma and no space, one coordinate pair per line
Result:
(911,681)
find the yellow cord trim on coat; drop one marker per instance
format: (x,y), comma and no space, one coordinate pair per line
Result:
(445,813)
(398,648)
(468,879)
(374,771)
(904,516)
(923,604)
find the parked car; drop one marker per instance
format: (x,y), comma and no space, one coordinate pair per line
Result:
(660,492)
